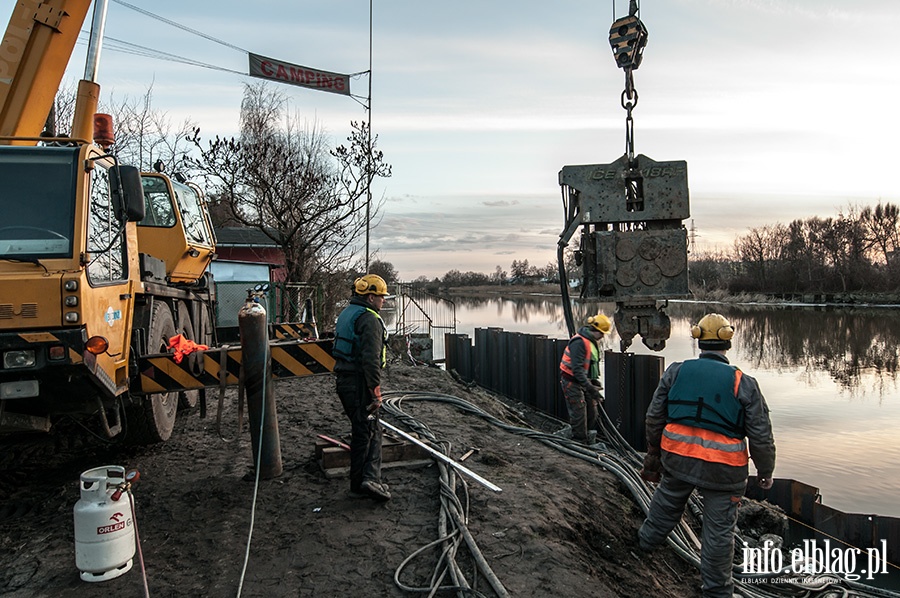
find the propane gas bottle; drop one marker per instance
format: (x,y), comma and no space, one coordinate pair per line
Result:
(104,529)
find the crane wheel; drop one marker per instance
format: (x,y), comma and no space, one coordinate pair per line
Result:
(153,418)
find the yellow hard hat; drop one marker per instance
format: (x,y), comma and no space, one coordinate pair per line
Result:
(713,327)
(370,284)
(600,323)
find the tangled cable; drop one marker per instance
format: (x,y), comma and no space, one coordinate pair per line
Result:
(452,519)
(614,455)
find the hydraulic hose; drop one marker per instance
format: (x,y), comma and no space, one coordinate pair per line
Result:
(453,513)
(564,289)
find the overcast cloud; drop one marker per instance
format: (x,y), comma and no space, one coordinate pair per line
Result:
(781,108)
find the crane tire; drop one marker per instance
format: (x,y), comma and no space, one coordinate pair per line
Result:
(153,418)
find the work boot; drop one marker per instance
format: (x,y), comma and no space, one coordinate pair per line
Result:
(376,491)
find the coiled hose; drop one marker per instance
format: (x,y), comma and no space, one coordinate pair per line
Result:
(614,455)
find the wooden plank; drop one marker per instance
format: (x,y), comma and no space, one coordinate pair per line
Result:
(332,457)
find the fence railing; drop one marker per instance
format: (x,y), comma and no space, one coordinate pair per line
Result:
(421,313)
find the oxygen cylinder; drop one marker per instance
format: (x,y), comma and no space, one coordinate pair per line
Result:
(104,528)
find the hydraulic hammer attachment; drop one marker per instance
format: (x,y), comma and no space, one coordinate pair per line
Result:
(633,248)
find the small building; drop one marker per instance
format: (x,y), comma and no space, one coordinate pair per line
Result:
(251,246)
(245,257)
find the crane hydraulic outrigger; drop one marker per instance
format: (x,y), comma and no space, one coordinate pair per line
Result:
(633,247)
(100,265)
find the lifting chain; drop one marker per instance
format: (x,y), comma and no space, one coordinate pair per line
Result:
(627,37)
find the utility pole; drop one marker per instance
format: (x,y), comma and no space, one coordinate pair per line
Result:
(369,144)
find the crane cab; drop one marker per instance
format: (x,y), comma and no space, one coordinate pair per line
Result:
(176,228)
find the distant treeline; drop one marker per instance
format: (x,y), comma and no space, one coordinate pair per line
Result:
(520,272)
(856,250)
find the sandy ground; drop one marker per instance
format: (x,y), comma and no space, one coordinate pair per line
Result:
(560,527)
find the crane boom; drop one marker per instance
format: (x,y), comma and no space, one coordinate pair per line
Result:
(34,53)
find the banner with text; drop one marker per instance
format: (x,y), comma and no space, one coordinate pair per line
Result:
(292,74)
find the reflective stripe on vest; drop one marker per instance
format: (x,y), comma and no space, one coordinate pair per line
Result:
(589,350)
(706,445)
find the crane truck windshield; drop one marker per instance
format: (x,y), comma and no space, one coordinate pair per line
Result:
(37,200)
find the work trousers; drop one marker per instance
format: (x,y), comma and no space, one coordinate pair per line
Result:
(582,409)
(365,438)
(716,541)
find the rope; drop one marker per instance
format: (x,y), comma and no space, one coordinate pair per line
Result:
(179,26)
(137,538)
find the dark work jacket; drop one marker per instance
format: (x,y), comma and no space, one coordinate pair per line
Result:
(366,357)
(705,474)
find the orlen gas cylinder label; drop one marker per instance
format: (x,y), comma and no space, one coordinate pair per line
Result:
(116,525)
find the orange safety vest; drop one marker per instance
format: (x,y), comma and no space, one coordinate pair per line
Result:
(566,364)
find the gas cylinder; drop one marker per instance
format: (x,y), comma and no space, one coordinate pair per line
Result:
(104,528)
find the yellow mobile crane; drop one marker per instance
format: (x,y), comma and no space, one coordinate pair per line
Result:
(99,264)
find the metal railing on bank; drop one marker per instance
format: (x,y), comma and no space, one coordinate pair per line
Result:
(283,302)
(422,315)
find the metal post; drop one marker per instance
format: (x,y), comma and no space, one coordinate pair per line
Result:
(95,43)
(256,368)
(369,145)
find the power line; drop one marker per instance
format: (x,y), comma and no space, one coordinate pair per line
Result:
(179,26)
(125,47)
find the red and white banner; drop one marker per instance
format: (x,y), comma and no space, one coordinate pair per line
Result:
(292,74)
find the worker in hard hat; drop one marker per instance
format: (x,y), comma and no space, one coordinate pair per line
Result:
(704,416)
(359,352)
(579,376)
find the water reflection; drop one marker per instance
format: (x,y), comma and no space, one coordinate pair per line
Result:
(845,343)
(829,376)
(523,310)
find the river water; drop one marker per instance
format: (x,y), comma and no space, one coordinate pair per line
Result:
(829,375)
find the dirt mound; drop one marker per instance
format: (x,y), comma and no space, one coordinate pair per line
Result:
(560,527)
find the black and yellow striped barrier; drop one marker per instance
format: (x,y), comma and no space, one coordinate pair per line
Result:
(295,330)
(211,368)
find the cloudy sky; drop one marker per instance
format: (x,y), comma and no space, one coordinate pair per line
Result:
(782,109)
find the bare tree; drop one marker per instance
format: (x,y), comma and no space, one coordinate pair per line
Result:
(62,113)
(281,177)
(804,259)
(146,136)
(881,226)
(759,249)
(499,276)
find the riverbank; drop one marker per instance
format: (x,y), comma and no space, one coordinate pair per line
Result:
(701,296)
(560,526)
